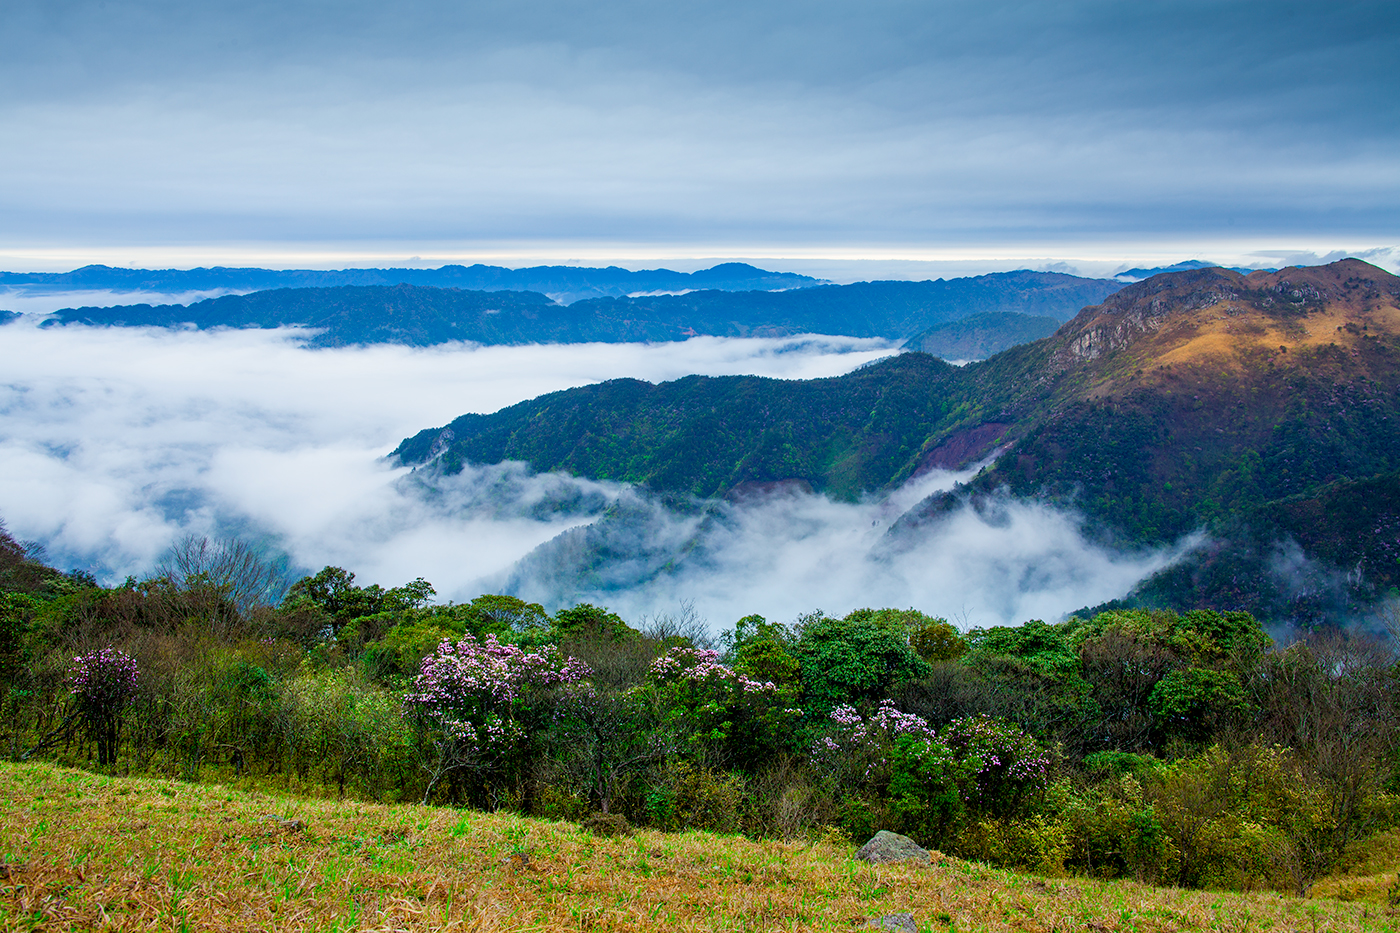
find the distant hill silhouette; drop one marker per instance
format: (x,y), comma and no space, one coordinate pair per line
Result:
(563,283)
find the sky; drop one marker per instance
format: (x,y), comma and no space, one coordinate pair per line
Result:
(845,138)
(114,444)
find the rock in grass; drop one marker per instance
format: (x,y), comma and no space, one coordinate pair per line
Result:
(892,847)
(901,922)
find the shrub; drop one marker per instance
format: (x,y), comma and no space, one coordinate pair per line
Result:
(104,684)
(600,741)
(855,659)
(690,796)
(973,768)
(1195,703)
(719,715)
(480,703)
(1010,766)
(858,750)
(353,731)
(1035,843)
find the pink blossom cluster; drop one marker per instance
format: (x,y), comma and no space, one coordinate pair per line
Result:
(868,740)
(700,665)
(493,732)
(887,722)
(997,744)
(469,689)
(487,673)
(104,680)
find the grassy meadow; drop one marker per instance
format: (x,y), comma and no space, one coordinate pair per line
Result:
(82,851)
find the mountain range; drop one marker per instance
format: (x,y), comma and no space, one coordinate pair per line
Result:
(420,315)
(562,283)
(1263,408)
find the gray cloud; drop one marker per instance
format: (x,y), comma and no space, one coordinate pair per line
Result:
(114,443)
(896,124)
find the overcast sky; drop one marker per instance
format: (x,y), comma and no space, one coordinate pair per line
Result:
(309,132)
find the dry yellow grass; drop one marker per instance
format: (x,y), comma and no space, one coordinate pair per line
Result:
(86,852)
(1221,335)
(1373,875)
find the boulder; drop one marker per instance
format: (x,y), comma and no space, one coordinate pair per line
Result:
(891,847)
(903,923)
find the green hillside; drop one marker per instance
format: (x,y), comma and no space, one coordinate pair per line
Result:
(88,852)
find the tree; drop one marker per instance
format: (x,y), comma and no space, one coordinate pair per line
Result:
(501,614)
(1033,671)
(763,650)
(226,578)
(935,639)
(720,715)
(856,659)
(589,621)
(332,591)
(605,738)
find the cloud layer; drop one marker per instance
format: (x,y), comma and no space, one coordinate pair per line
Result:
(115,442)
(737,126)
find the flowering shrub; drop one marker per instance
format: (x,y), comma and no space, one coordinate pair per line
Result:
(718,712)
(977,766)
(481,701)
(858,749)
(695,666)
(104,684)
(1009,765)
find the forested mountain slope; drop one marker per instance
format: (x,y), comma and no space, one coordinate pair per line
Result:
(982,335)
(1200,398)
(421,316)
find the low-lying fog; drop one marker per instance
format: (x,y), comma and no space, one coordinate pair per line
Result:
(113,443)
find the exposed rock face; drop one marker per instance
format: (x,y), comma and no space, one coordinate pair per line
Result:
(891,847)
(901,922)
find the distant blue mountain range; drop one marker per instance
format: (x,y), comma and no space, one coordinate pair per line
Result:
(565,284)
(419,315)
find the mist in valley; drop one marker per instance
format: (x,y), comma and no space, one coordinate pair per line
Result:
(117,442)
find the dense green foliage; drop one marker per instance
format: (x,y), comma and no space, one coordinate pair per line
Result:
(1173,747)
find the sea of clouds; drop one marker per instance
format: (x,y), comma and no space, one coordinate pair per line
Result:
(116,442)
